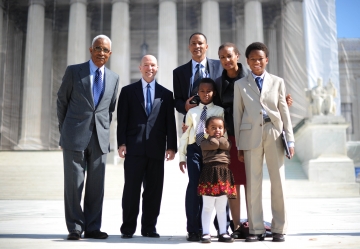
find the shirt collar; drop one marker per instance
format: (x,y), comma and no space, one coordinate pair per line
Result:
(194,63)
(144,83)
(261,76)
(93,67)
(201,105)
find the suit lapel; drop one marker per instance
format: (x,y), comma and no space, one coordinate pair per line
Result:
(187,75)
(84,73)
(140,94)
(266,83)
(156,108)
(252,84)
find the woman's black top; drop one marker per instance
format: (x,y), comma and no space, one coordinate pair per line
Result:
(225,99)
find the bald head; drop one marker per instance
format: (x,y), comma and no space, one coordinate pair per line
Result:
(148,68)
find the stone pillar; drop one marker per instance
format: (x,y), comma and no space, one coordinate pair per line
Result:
(295,73)
(240,38)
(120,57)
(33,78)
(210,26)
(77,33)
(1,27)
(47,85)
(253,22)
(168,58)
(272,46)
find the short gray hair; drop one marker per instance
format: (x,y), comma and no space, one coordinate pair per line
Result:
(100,37)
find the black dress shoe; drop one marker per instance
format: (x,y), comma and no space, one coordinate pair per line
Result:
(74,235)
(206,238)
(225,238)
(193,237)
(97,234)
(126,236)
(278,237)
(255,237)
(151,234)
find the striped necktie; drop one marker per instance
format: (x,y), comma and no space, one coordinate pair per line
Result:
(201,127)
(197,78)
(259,82)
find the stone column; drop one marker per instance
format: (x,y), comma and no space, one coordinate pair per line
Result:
(210,26)
(240,38)
(120,57)
(1,26)
(77,33)
(33,78)
(168,57)
(295,73)
(272,46)
(47,85)
(253,22)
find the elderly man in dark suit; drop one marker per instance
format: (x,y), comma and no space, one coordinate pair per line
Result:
(185,82)
(86,100)
(146,135)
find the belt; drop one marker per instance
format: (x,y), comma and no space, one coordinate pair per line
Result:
(266,120)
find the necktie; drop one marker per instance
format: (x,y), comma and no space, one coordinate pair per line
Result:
(201,127)
(97,87)
(148,100)
(197,78)
(259,82)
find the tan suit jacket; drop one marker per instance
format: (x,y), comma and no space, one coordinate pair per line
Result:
(248,114)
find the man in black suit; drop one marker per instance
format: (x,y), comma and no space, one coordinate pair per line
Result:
(185,82)
(183,76)
(86,100)
(146,135)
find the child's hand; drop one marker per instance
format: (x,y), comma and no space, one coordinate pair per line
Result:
(182,166)
(184,127)
(241,155)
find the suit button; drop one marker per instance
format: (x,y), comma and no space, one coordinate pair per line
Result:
(260,112)
(260,124)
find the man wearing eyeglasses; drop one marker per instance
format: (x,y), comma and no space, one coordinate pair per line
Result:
(86,100)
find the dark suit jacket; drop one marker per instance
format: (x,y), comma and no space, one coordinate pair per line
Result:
(143,135)
(76,112)
(182,79)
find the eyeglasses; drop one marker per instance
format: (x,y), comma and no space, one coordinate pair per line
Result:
(99,49)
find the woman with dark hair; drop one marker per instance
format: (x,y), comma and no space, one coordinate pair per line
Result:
(233,71)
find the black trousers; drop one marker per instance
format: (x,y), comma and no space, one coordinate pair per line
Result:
(149,172)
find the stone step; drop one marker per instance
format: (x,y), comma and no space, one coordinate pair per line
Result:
(39,176)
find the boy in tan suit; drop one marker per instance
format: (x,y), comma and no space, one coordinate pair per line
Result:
(260,115)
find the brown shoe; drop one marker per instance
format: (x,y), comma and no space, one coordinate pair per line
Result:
(255,237)
(278,237)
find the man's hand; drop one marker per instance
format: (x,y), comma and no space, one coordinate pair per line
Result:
(184,127)
(169,155)
(289,100)
(241,155)
(292,152)
(182,166)
(122,151)
(188,105)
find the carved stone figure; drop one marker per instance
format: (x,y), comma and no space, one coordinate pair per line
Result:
(322,98)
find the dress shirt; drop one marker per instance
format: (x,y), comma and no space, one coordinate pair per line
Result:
(192,121)
(152,90)
(93,69)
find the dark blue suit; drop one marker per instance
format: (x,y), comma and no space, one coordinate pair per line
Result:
(146,139)
(182,81)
